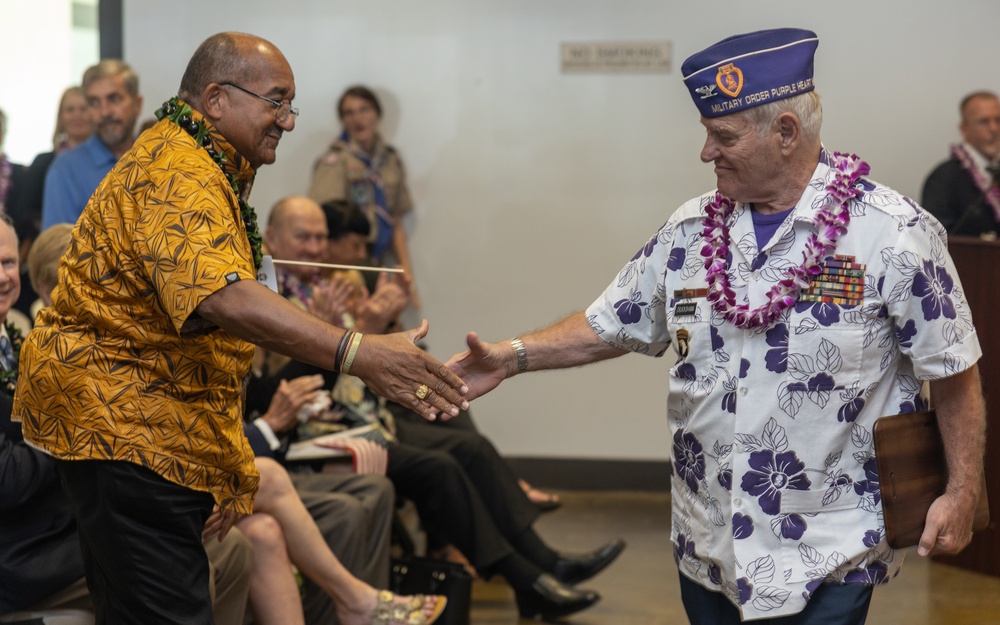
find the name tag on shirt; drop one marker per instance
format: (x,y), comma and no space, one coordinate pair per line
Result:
(683,309)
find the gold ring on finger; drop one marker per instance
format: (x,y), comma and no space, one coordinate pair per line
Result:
(422,391)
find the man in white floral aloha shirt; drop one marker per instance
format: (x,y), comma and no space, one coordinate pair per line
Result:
(803,301)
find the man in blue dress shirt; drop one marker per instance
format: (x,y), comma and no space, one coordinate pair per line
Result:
(112,90)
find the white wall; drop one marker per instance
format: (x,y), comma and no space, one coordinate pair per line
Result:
(59,51)
(534,187)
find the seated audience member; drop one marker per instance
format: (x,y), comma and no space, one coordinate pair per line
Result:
(463,489)
(14,181)
(43,262)
(347,236)
(112,91)
(41,563)
(361,167)
(353,512)
(281,521)
(964,191)
(74,125)
(12,176)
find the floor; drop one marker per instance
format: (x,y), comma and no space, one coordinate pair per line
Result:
(641,587)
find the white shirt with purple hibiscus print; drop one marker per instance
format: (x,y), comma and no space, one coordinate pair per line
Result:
(774,487)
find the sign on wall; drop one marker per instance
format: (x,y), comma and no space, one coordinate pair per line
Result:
(616,57)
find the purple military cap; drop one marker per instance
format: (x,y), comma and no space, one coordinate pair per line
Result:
(748,70)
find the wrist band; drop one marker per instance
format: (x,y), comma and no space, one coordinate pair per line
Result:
(352,352)
(522,354)
(338,360)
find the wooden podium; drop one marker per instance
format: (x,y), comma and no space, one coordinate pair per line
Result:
(978,263)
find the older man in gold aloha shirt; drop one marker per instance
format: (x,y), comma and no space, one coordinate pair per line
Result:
(121,367)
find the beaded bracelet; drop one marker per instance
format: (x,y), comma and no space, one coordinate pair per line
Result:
(338,361)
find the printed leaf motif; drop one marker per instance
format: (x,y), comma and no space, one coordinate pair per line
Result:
(900,292)
(835,561)
(828,357)
(868,505)
(800,366)
(776,269)
(810,556)
(953,364)
(887,359)
(774,436)
(776,525)
(627,274)
(862,457)
(820,398)
(807,325)
(761,570)
(721,451)
(908,384)
(833,459)
(747,245)
(770,598)
(906,263)
(749,441)
(860,436)
(790,401)
(832,494)
(715,510)
(784,244)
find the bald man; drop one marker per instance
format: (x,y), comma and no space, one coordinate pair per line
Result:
(133,378)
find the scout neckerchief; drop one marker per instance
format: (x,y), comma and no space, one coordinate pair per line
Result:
(987,186)
(372,163)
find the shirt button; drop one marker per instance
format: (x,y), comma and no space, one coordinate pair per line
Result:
(740,449)
(744,390)
(737,503)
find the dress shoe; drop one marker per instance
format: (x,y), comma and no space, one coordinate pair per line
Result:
(574,569)
(551,599)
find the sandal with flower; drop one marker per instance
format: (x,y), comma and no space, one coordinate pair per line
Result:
(416,610)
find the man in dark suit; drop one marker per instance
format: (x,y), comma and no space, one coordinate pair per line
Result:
(963,192)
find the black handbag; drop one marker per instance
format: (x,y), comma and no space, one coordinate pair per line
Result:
(412,575)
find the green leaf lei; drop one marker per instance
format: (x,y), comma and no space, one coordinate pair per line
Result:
(180,114)
(8,377)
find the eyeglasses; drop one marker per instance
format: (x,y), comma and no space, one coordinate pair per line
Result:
(281,109)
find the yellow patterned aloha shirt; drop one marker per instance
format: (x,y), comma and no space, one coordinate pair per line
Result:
(121,367)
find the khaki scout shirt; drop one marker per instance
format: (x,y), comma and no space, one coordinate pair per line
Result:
(340,175)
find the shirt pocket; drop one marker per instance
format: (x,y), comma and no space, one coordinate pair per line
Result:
(823,365)
(693,339)
(825,535)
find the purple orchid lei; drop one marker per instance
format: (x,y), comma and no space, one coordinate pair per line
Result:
(989,189)
(831,221)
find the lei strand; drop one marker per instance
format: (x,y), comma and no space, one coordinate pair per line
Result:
(989,189)
(831,221)
(8,377)
(180,113)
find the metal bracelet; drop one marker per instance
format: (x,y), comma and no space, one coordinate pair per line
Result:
(522,354)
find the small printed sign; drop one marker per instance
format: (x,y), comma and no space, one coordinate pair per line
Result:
(616,57)
(266,275)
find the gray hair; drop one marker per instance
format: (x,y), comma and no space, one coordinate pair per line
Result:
(806,107)
(112,67)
